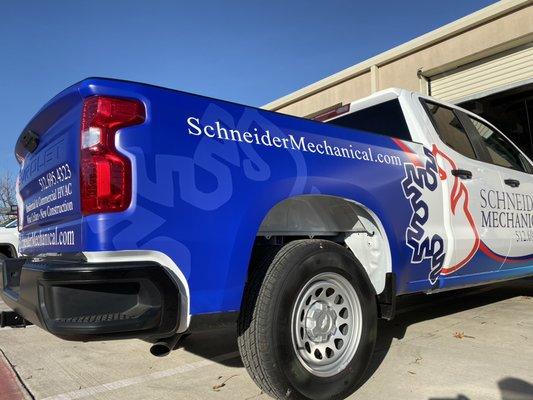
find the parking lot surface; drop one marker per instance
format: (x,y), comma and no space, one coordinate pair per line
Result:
(471,344)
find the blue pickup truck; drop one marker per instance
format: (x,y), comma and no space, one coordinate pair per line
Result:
(150,213)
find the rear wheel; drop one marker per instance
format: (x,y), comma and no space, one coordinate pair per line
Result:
(307,327)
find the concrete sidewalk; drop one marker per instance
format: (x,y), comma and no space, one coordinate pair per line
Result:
(473,344)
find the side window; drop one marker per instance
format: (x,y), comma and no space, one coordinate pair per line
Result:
(501,151)
(385,118)
(450,129)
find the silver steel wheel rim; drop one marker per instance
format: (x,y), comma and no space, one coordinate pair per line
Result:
(326,324)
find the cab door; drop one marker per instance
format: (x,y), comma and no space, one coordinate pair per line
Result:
(467,181)
(509,212)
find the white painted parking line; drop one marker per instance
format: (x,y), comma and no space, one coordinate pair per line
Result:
(107,387)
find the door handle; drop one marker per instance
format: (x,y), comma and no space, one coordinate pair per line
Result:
(462,173)
(512,182)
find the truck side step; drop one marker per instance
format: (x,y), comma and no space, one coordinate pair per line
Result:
(12,319)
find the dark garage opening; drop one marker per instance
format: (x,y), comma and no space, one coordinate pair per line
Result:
(511,111)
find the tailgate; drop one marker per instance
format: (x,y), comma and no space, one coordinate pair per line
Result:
(48,182)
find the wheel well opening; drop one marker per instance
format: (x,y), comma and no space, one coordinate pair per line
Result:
(339,220)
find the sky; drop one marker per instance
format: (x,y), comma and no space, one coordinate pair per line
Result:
(251,51)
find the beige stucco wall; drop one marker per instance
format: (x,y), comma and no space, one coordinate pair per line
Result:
(503,33)
(491,37)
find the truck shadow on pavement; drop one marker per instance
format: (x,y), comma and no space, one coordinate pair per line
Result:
(219,342)
(515,389)
(411,309)
(510,389)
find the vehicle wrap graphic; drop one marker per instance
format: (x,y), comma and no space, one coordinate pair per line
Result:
(423,245)
(48,195)
(429,243)
(460,214)
(206,173)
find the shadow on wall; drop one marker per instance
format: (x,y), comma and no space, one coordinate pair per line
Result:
(510,389)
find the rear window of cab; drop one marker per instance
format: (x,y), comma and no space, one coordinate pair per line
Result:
(384,118)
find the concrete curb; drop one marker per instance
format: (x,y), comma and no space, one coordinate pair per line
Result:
(10,385)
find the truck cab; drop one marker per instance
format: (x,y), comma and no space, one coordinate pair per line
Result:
(489,183)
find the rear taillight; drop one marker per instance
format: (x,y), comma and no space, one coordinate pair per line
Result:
(105,174)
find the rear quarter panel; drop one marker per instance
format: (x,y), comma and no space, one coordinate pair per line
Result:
(201,200)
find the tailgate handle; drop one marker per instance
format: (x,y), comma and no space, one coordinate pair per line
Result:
(30,140)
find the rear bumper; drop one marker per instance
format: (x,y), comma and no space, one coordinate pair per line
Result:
(79,300)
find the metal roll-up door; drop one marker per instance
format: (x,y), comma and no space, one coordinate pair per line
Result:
(500,72)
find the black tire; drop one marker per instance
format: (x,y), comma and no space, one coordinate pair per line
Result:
(265,340)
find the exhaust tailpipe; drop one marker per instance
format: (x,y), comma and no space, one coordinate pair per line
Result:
(163,347)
